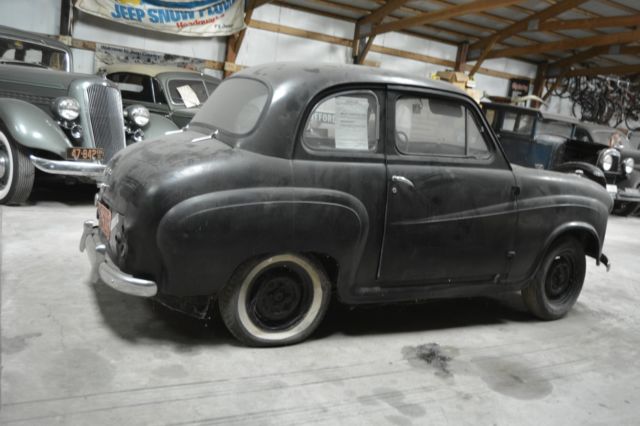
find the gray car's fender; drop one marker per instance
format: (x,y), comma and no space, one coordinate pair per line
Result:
(33,128)
(158,126)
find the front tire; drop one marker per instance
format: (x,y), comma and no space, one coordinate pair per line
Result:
(558,282)
(16,172)
(275,300)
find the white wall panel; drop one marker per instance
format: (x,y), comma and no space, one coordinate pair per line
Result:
(40,16)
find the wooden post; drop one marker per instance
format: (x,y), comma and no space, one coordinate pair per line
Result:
(66,17)
(461,56)
(538,83)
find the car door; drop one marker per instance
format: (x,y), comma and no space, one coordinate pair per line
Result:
(516,136)
(451,210)
(341,149)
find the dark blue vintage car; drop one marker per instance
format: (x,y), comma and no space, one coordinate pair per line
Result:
(534,138)
(296,181)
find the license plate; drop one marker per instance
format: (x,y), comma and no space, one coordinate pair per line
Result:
(86,154)
(104,220)
(612,189)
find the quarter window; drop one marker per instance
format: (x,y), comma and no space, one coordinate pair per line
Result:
(346,122)
(437,127)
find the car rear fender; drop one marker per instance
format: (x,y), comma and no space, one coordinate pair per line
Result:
(33,128)
(204,239)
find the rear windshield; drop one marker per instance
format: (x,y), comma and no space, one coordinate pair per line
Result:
(556,128)
(33,54)
(235,106)
(190,93)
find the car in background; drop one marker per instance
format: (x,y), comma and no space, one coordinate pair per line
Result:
(55,120)
(298,180)
(176,93)
(624,142)
(534,138)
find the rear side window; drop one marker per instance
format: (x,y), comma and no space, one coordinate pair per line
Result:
(344,122)
(430,126)
(135,87)
(517,123)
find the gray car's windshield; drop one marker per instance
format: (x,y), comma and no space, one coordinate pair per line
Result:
(17,51)
(235,106)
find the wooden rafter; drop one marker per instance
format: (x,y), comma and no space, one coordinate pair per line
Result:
(584,24)
(617,70)
(443,14)
(600,40)
(558,67)
(481,49)
(234,41)
(363,36)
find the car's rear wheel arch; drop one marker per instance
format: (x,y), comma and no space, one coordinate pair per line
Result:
(582,232)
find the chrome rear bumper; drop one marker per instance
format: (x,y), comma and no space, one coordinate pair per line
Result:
(103,267)
(69,168)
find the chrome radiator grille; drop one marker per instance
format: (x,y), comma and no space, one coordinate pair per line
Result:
(107,122)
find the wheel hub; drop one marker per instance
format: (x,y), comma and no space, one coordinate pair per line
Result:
(559,278)
(280,297)
(4,164)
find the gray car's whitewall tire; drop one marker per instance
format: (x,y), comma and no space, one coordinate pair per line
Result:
(275,300)
(16,172)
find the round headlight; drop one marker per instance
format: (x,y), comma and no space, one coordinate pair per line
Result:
(66,108)
(607,162)
(138,114)
(628,165)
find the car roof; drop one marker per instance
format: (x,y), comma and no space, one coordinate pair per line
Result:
(295,85)
(317,76)
(33,37)
(146,69)
(543,114)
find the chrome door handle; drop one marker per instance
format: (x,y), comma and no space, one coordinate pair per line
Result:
(402,179)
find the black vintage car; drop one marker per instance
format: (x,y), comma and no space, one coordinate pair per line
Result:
(298,180)
(534,138)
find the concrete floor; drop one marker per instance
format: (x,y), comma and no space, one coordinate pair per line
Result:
(74,353)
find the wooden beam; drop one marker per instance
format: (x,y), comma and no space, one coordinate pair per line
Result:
(584,24)
(530,23)
(442,14)
(234,41)
(538,83)
(556,68)
(363,37)
(461,56)
(617,70)
(382,12)
(600,40)
(481,49)
(66,17)
(311,35)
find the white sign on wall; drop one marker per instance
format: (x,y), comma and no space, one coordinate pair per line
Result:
(195,18)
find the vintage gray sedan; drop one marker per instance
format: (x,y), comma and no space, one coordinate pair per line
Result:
(56,120)
(295,181)
(176,93)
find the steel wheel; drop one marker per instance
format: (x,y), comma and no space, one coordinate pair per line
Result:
(16,172)
(557,284)
(277,300)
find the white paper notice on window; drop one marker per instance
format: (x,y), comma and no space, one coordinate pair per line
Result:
(189,97)
(351,120)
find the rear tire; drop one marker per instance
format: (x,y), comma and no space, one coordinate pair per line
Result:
(275,300)
(16,171)
(557,284)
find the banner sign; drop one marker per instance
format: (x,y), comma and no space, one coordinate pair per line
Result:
(111,55)
(195,18)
